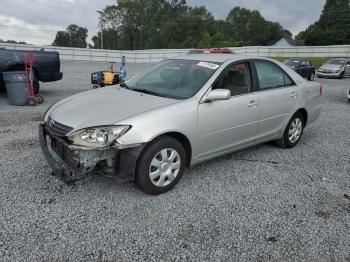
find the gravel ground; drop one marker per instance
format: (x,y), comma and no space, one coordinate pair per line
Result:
(260,204)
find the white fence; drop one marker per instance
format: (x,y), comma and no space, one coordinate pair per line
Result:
(147,56)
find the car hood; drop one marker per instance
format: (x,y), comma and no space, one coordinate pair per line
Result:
(105,106)
(331,67)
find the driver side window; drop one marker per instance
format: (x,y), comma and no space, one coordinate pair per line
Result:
(236,78)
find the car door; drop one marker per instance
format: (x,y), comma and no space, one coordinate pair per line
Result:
(278,96)
(347,68)
(227,124)
(304,69)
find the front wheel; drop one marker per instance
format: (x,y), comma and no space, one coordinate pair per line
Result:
(160,166)
(341,76)
(293,132)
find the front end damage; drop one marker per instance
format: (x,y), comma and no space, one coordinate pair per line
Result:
(70,162)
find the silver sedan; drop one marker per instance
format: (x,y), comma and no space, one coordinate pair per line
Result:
(179,113)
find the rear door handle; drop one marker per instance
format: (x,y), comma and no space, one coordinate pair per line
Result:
(252,104)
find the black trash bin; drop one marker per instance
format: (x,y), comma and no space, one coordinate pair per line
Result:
(15,82)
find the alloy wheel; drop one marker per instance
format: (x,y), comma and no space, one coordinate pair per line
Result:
(295,130)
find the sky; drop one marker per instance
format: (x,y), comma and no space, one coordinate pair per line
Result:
(37,21)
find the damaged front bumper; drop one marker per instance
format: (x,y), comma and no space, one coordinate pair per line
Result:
(69,162)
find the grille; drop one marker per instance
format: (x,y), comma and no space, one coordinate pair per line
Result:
(57,129)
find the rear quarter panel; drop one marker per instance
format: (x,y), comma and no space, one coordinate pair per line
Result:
(311,100)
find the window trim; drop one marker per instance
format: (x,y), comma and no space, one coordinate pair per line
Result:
(275,87)
(252,87)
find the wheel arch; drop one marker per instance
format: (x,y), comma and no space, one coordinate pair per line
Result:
(304,113)
(185,142)
(20,67)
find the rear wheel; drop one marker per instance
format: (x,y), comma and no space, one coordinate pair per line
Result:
(161,166)
(293,132)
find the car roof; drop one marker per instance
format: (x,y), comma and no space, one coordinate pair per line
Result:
(216,58)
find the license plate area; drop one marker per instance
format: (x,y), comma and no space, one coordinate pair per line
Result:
(63,152)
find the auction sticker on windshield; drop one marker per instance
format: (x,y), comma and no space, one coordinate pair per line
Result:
(208,65)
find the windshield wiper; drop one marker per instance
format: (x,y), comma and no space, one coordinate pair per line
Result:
(145,91)
(124,85)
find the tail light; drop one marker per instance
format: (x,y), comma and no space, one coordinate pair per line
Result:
(321,90)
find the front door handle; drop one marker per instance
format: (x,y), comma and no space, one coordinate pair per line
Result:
(252,104)
(294,95)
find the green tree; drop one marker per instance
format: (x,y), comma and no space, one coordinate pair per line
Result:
(333,27)
(74,36)
(251,28)
(141,24)
(62,39)
(110,40)
(300,35)
(12,42)
(205,41)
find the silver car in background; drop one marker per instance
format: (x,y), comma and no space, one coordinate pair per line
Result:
(179,113)
(335,68)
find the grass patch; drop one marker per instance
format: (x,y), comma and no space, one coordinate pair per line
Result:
(316,61)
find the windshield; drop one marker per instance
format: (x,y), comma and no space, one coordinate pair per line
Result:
(294,63)
(179,79)
(336,62)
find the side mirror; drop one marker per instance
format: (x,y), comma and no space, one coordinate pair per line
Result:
(217,95)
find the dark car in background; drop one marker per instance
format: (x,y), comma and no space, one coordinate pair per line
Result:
(303,67)
(46,65)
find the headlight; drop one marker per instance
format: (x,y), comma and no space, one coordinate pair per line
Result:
(336,70)
(98,136)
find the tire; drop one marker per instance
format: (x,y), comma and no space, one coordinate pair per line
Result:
(311,77)
(39,99)
(289,140)
(160,165)
(31,101)
(341,76)
(36,84)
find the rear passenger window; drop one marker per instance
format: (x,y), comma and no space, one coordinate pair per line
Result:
(271,76)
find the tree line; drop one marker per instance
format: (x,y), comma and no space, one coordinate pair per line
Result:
(142,24)
(333,27)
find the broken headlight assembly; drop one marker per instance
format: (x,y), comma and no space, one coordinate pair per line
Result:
(98,136)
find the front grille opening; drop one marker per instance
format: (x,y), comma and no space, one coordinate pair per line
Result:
(56,128)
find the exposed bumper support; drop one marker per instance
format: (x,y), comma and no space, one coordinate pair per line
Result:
(116,163)
(57,169)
